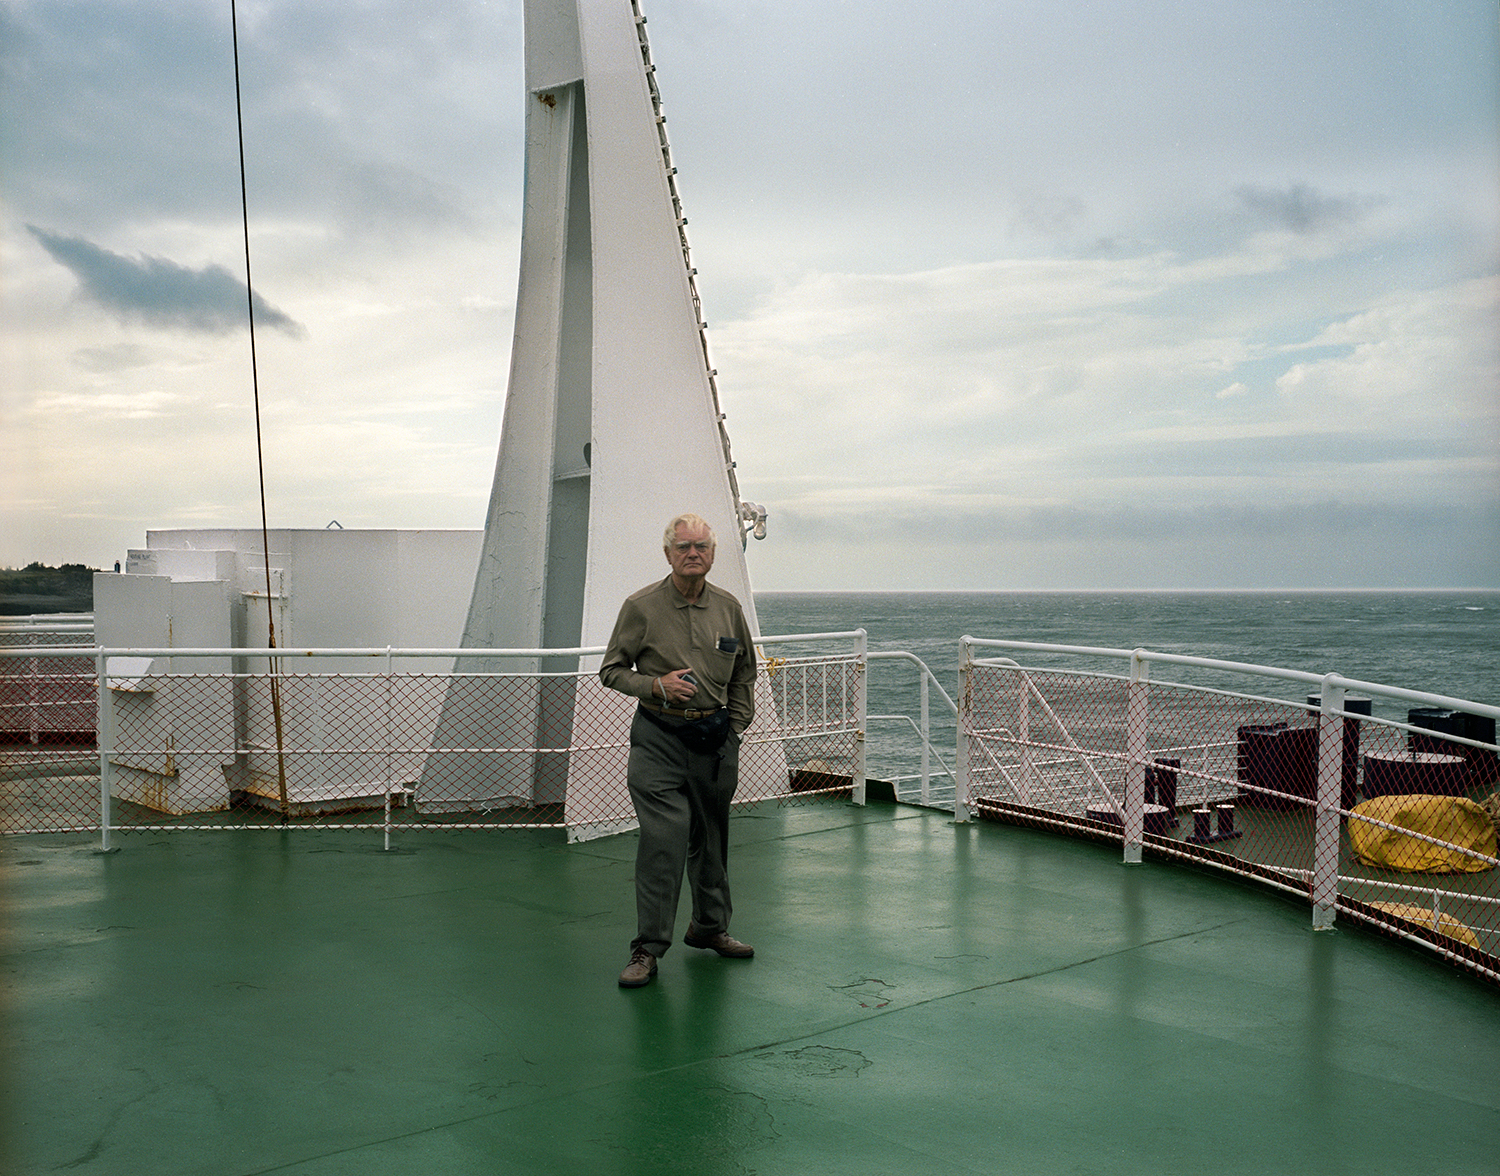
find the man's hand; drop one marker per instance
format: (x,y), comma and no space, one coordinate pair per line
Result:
(676,690)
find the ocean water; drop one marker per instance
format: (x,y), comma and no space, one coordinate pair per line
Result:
(1440,642)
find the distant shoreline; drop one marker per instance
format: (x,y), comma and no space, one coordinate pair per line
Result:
(1123,591)
(13,605)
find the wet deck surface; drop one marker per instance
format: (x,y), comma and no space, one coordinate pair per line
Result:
(927,998)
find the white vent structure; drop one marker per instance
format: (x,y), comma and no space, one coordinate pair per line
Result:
(612,420)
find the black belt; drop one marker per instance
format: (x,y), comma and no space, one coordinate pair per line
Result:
(677,712)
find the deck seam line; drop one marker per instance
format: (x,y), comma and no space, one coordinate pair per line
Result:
(741,845)
(875,1014)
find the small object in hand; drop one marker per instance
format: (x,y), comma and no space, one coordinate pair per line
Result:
(689,679)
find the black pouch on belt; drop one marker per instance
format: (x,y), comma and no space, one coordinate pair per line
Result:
(704,736)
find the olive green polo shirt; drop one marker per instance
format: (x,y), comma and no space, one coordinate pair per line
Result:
(658,631)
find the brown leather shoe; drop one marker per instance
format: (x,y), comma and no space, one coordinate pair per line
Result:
(640,971)
(720,942)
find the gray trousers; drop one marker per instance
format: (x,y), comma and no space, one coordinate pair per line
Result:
(682,802)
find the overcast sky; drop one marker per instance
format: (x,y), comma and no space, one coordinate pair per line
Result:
(1002,293)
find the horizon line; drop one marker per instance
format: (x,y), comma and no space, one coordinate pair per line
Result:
(1102,591)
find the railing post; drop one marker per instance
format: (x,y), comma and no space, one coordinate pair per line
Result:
(390,735)
(1136,710)
(1027,756)
(106,725)
(861,709)
(926,739)
(965,727)
(1325,877)
(33,693)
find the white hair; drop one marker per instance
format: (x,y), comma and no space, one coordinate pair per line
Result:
(691,521)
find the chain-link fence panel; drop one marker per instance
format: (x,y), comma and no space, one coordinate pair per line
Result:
(47,696)
(216,746)
(48,715)
(1418,852)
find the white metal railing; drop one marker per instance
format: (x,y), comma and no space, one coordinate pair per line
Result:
(825,696)
(922,726)
(815,701)
(123,664)
(47,623)
(976,750)
(851,697)
(39,704)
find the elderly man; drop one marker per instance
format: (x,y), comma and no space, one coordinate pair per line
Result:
(683,648)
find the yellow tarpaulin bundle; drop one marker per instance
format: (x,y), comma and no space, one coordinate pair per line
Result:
(1452,819)
(1449,926)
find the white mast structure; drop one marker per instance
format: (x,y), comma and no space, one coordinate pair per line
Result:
(612,420)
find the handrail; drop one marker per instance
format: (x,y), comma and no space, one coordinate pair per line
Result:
(897,655)
(912,723)
(1329,679)
(16,651)
(370,651)
(786,638)
(293,652)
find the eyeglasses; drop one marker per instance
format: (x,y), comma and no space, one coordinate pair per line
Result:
(702,546)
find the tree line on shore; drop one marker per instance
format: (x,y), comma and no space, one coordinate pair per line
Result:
(38,588)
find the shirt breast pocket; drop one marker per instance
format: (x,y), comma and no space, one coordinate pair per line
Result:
(721,659)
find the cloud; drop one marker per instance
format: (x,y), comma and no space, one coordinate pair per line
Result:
(1036,279)
(1049,215)
(159,292)
(116,357)
(960,519)
(1090,382)
(112,406)
(970,545)
(398,201)
(1414,358)
(1300,208)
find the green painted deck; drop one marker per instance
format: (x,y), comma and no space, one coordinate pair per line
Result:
(926,998)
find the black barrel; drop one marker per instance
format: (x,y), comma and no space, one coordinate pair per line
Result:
(1482,765)
(1281,763)
(1425,773)
(1161,784)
